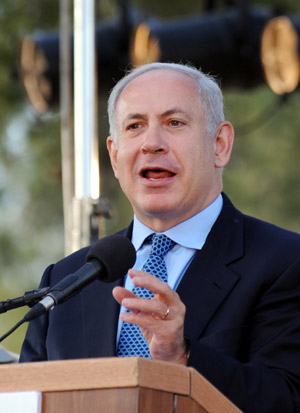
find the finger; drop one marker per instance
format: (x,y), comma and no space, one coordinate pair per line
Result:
(153,307)
(155,285)
(120,293)
(142,278)
(144,321)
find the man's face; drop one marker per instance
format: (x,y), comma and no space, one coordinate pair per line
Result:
(166,164)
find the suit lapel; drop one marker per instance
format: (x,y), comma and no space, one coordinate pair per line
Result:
(100,331)
(209,280)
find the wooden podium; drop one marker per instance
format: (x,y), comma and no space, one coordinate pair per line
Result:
(115,385)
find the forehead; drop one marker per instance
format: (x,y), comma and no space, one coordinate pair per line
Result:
(157,90)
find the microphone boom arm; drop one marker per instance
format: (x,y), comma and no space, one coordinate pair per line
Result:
(30,298)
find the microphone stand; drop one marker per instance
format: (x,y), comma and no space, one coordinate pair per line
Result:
(29,298)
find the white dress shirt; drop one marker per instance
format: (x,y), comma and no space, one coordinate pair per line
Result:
(190,236)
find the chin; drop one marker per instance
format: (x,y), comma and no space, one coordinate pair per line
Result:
(158,204)
(159,211)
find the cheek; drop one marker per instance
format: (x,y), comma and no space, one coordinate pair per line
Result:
(128,155)
(124,166)
(200,160)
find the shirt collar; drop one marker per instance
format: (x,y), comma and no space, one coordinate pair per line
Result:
(191,233)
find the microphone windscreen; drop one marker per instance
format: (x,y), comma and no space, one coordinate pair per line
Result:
(116,253)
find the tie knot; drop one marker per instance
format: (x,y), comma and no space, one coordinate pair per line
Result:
(161,244)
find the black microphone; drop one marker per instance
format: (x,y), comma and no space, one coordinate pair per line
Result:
(29,298)
(109,259)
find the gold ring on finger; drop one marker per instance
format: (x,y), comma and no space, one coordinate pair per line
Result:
(166,314)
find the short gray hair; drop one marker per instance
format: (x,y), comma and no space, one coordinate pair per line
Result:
(211,98)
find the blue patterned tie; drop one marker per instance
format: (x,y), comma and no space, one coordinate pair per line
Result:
(132,342)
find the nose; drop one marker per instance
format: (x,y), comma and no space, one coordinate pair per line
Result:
(154,141)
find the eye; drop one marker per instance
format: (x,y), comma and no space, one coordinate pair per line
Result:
(133,126)
(176,123)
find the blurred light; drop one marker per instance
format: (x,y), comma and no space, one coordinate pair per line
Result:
(279,55)
(33,70)
(33,65)
(144,48)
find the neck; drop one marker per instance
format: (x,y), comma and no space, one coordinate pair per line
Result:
(163,222)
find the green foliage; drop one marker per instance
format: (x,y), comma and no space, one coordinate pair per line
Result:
(263,175)
(31,225)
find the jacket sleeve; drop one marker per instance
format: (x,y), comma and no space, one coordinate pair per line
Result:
(34,345)
(266,376)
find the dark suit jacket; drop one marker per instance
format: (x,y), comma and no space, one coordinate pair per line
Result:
(242,295)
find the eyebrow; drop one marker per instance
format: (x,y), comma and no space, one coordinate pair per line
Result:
(168,112)
(173,111)
(132,116)
(135,116)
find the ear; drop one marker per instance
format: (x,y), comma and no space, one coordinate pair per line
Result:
(113,154)
(223,144)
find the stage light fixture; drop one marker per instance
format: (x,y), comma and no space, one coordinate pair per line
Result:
(218,43)
(37,59)
(280,56)
(241,53)
(144,47)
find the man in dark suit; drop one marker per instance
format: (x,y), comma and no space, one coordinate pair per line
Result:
(231,305)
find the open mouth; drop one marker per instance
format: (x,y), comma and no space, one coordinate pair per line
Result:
(157,173)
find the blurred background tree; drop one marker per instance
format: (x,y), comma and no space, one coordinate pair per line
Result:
(262,178)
